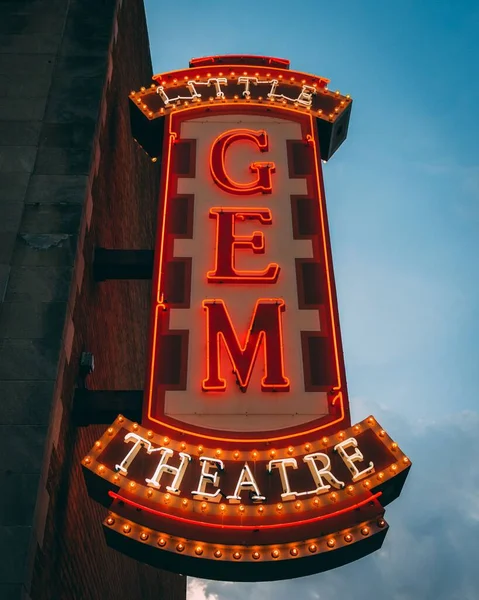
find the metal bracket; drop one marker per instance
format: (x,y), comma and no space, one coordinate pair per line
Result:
(122,264)
(101,407)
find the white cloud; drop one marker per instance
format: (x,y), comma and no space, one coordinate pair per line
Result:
(432,547)
(197,591)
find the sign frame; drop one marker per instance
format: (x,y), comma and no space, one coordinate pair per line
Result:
(248,504)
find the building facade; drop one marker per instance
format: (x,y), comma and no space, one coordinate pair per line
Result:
(72,180)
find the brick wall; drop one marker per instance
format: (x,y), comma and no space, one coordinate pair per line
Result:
(70,178)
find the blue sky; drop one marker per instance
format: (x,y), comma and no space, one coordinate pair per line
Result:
(403,202)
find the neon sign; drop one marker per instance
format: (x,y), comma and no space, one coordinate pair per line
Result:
(245,465)
(227,242)
(263,170)
(264,329)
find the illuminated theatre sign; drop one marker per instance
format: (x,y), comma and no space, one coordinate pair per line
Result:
(245,466)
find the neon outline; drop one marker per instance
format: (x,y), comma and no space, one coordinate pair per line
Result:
(262,339)
(331,117)
(262,184)
(217,82)
(270,273)
(160,90)
(338,398)
(255,81)
(305,97)
(158,513)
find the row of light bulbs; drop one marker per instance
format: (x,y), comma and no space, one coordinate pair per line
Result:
(236,99)
(262,510)
(232,75)
(275,553)
(241,509)
(253,454)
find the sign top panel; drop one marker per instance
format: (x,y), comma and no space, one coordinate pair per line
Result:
(243,80)
(240,59)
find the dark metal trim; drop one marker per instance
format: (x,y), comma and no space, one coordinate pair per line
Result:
(122,264)
(101,407)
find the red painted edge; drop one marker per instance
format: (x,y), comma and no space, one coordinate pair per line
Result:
(220,58)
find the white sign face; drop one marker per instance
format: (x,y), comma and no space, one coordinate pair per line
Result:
(255,410)
(263,242)
(245,335)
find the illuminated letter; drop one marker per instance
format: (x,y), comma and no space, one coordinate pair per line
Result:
(265,327)
(262,183)
(140,443)
(206,477)
(218,82)
(164,467)
(227,242)
(281,465)
(320,474)
(246,481)
(160,90)
(274,85)
(350,459)
(305,97)
(247,81)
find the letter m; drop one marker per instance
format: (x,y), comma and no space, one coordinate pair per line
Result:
(264,330)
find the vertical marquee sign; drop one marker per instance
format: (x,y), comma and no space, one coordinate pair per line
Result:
(245,466)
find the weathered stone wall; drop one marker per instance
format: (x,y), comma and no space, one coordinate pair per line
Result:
(70,178)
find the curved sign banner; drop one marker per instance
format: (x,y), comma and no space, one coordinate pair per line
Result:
(245,465)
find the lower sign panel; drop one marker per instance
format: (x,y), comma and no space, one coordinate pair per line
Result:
(245,563)
(245,515)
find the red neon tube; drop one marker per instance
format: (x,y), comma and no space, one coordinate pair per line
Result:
(158,513)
